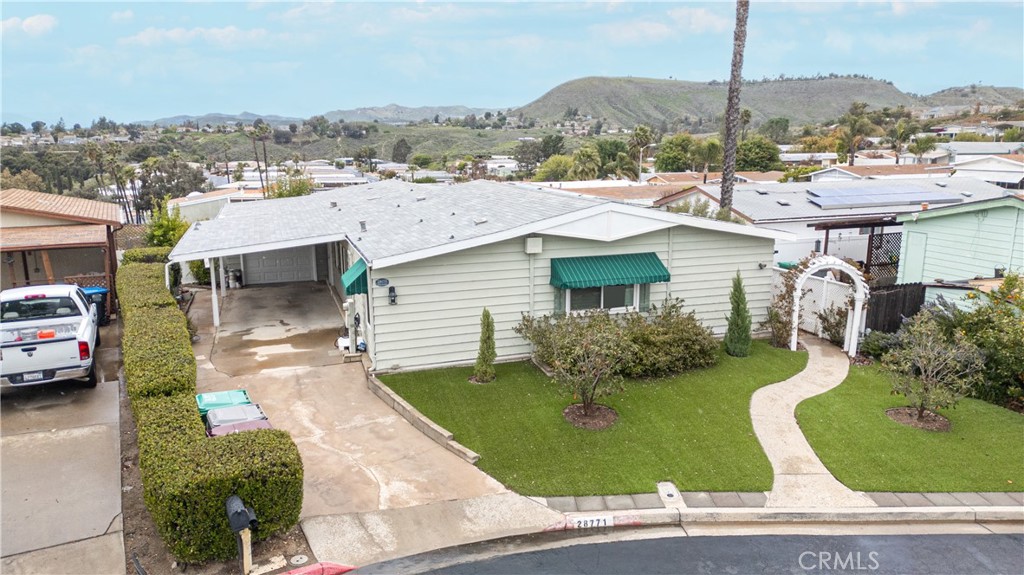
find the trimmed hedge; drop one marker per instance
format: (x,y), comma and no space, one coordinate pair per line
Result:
(187,476)
(146,256)
(142,285)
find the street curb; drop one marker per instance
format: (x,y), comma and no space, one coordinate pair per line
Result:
(435,432)
(684,516)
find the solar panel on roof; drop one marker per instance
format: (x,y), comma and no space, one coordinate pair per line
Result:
(873,201)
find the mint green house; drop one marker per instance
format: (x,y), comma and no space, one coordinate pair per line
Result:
(963,242)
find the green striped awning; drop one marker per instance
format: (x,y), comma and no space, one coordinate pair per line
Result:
(596,271)
(354,278)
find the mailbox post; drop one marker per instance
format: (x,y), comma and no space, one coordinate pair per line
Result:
(242,520)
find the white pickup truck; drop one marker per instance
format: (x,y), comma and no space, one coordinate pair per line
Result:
(48,333)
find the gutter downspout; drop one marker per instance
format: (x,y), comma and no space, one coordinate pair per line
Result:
(167,275)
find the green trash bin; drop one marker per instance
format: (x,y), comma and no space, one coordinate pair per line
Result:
(219,399)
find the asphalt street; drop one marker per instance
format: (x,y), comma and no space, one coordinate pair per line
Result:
(896,554)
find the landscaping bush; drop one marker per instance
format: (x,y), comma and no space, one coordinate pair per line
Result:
(186,476)
(157,352)
(154,255)
(200,273)
(666,341)
(483,372)
(876,343)
(142,285)
(833,324)
(737,334)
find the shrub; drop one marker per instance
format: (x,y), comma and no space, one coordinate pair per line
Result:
(737,335)
(928,370)
(584,350)
(876,343)
(186,476)
(666,341)
(833,324)
(153,255)
(483,372)
(200,273)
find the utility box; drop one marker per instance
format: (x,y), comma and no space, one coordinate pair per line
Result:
(534,245)
(219,399)
(234,414)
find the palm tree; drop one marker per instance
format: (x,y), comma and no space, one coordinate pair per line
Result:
(899,135)
(732,107)
(640,139)
(745,117)
(922,146)
(852,132)
(586,163)
(707,152)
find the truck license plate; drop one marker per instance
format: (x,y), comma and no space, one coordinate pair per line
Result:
(32,375)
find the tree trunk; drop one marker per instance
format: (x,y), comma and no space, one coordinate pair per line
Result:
(256,153)
(920,412)
(732,108)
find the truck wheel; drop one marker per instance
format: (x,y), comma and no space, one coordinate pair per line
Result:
(90,380)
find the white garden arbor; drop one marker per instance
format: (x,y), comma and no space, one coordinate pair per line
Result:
(853,317)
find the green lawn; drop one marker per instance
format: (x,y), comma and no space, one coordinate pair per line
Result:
(692,429)
(867,451)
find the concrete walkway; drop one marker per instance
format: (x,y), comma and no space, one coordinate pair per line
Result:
(801,480)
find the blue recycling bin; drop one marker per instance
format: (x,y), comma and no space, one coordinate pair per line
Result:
(98,296)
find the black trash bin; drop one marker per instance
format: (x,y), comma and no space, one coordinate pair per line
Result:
(98,296)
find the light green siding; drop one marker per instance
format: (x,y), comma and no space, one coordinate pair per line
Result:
(440,299)
(954,295)
(962,245)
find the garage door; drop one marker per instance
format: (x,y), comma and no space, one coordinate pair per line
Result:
(290,265)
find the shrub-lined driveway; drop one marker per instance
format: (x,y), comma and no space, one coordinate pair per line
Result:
(277,342)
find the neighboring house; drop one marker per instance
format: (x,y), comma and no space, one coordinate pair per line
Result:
(960,151)
(823,159)
(855,219)
(199,206)
(421,262)
(632,194)
(681,178)
(948,247)
(501,166)
(50,238)
(888,171)
(937,157)
(1005,171)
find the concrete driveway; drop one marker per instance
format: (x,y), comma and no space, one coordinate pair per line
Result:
(359,455)
(60,467)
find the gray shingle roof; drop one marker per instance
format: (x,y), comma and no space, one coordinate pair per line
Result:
(765,207)
(400,217)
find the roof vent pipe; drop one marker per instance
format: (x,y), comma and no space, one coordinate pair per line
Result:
(362,225)
(334,204)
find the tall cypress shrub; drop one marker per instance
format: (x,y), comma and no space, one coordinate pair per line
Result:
(483,372)
(737,336)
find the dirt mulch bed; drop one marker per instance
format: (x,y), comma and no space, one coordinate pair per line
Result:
(601,416)
(908,416)
(861,360)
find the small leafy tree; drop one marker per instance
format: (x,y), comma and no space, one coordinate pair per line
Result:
(166,227)
(483,372)
(582,350)
(737,335)
(928,369)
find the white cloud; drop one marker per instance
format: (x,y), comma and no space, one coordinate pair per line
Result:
(36,25)
(227,37)
(699,20)
(637,32)
(122,16)
(839,41)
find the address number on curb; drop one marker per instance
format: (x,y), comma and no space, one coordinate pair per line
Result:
(592,522)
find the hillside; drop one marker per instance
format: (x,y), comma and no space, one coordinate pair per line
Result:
(216,119)
(393,113)
(971,95)
(629,101)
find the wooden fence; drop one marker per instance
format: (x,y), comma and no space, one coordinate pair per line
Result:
(888,306)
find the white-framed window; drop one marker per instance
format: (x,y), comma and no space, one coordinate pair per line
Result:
(614,298)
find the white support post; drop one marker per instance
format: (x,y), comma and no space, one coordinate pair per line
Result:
(216,304)
(241,259)
(223,280)
(796,315)
(849,330)
(858,309)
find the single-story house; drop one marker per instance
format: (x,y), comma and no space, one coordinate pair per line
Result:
(51,238)
(631,193)
(693,178)
(199,206)
(422,261)
(954,244)
(823,159)
(960,151)
(889,171)
(1006,170)
(853,219)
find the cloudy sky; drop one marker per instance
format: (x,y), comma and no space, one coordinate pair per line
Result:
(144,60)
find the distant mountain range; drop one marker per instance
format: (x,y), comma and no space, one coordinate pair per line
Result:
(628,101)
